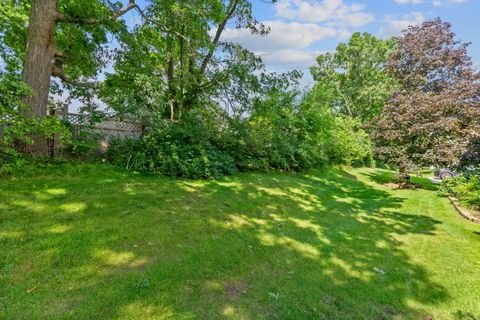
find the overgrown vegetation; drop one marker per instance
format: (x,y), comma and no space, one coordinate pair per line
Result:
(280,132)
(465,188)
(180,151)
(18,131)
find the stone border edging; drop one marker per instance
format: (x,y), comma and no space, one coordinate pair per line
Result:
(463,212)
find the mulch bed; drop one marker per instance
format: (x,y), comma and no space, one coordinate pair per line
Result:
(464,212)
(403,185)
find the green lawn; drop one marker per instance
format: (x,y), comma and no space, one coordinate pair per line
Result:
(91,242)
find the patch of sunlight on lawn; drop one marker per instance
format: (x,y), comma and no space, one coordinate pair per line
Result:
(272,191)
(34,206)
(124,258)
(11,234)
(229,311)
(73,207)
(347,269)
(59,228)
(56,191)
(132,310)
(305,249)
(191,186)
(309,225)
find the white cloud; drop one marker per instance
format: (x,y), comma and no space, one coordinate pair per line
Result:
(334,12)
(396,25)
(439,3)
(283,35)
(409,1)
(282,47)
(291,59)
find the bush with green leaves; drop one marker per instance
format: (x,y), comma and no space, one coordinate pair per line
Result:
(288,132)
(17,128)
(465,188)
(282,131)
(178,150)
(348,143)
(277,134)
(16,123)
(84,144)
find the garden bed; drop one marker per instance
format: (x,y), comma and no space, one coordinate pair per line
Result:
(465,213)
(403,185)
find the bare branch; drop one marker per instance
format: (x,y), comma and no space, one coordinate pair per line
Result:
(232,6)
(58,72)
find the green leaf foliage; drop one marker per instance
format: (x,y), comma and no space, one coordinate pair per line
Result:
(352,79)
(466,188)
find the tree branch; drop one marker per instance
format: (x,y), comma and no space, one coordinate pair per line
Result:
(232,6)
(58,72)
(157,23)
(91,21)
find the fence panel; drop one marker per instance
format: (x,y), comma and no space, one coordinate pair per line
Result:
(110,127)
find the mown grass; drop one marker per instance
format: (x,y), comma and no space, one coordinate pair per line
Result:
(91,242)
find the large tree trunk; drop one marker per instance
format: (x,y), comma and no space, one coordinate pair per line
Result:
(37,69)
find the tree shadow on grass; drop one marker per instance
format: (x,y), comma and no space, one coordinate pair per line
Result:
(252,246)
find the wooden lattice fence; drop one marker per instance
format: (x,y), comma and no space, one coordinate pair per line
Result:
(110,127)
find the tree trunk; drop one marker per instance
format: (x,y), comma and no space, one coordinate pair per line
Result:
(171,85)
(37,69)
(403,176)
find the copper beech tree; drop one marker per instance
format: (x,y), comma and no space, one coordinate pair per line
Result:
(429,120)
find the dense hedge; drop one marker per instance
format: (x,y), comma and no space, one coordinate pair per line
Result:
(176,150)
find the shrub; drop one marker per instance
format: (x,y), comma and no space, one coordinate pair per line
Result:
(176,150)
(83,144)
(16,128)
(243,144)
(10,161)
(348,143)
(466,188)
(291,135)
(279,132)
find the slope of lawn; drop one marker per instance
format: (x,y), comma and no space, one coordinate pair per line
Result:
(92,242)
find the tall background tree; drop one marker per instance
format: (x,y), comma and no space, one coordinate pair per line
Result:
(172,70)
(70,41)
(429,120)
(352,79)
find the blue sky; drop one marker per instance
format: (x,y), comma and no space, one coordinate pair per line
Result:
(301,29)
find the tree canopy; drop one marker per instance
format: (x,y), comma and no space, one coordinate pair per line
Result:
(429,119)
(352,79)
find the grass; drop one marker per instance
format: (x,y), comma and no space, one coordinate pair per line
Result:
(91,242)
